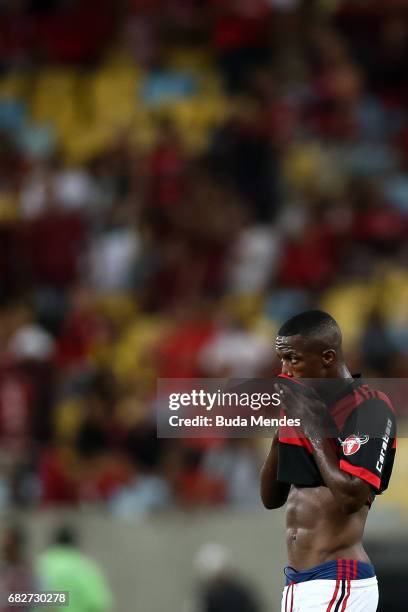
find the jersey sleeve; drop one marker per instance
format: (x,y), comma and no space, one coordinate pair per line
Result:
(368,443)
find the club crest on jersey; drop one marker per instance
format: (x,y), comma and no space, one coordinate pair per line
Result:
(353,443)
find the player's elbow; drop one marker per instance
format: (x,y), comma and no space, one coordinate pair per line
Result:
(273,492)
(270,504)
(276,497)
(269,501)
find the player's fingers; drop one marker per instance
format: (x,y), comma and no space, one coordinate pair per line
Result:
(282,394)
(284,391)
(279,389)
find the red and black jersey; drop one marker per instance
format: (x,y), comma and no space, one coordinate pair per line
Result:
(363,435)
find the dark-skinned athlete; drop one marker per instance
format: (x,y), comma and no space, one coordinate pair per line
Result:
(329,471)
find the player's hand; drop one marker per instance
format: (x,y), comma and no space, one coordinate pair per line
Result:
(311,411)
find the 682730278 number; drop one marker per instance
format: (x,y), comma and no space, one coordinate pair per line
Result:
(38,598)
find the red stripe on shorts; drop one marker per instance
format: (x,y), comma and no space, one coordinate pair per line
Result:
(336,590)
(286,598)
(348,585)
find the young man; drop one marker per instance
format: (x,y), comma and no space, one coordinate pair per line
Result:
(329,480)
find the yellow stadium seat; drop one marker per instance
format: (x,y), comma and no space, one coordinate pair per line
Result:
(306,166)
(350,305)
(133,353)
(113,95)
(188,59)
(9,210)
(69,416)
(52,91)
(393,292)
(14,86)
(82,142)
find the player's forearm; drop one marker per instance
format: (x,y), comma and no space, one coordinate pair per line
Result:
(273,493)
(350,492)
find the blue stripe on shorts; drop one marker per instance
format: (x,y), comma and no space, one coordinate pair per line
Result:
(331,570)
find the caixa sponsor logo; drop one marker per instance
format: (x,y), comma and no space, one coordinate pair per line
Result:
(385,440)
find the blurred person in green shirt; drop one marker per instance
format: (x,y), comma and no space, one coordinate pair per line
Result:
(63,567)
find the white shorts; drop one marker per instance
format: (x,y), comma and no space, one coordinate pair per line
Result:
(330,596)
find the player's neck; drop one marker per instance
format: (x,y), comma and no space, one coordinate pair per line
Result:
(339,379)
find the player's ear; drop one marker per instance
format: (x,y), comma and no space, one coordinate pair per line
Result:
(328,357)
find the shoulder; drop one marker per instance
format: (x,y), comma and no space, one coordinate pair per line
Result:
(375,397)
(374,414)
(373,401)
(365,405)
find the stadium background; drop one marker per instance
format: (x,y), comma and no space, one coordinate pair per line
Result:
(176,179)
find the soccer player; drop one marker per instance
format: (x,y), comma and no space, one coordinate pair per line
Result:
(328,481)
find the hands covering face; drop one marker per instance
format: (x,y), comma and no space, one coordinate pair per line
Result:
(309,409)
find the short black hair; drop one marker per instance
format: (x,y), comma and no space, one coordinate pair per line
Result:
(310,323)
(65,535)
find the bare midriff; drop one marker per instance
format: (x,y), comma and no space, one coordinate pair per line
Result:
(319,531)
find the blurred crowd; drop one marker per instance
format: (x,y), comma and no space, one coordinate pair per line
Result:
(177,178)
